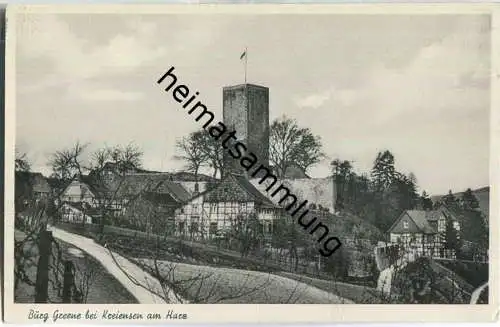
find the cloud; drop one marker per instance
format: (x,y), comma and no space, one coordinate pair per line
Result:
(76,58)
(104,94)
(314,100)
(417,85)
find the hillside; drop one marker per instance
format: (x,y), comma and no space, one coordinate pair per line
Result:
(482,194)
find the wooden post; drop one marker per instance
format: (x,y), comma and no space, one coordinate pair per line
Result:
(68,281)
(42,273)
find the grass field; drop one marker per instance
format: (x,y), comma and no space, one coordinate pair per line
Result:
(203,284)
(356,293)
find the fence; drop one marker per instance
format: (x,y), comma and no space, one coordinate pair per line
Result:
(268,259)
(54,277)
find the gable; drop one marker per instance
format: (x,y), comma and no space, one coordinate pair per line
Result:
(398,227)
(228,191)
(77,189)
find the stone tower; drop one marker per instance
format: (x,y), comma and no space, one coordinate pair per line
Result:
(246,111)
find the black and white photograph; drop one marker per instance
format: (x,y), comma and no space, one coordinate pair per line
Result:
(245,158)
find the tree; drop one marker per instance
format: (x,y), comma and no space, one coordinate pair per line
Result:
(469,200)
(247,231)
(22,161)
(191,152)
(68,162)
(342,174)
(213,151)
(425,201)
(451,237)
(338,264)
(383,172)
(292,145)
(451,201)
(124,157)
(475,228)
(405,191)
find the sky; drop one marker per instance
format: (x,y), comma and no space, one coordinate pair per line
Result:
(417,85)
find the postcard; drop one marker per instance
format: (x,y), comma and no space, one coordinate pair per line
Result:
(251,163)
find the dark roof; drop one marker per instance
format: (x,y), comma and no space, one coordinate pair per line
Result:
(245,191)
(129,169)
(420,219)
(426,220)
(176,190)
(189,177)
(252,190)
(122,166)
(35,181)
(130,186)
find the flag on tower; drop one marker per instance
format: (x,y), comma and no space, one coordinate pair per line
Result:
(244,55)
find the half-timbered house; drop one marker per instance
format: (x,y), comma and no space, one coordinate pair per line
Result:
(217,209)
(422,230)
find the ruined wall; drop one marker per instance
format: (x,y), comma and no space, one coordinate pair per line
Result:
(320,191)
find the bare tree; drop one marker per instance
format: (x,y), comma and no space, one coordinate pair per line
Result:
(68,162)
(100,157)
(125,157)
(291,145)
(213,150)
(191,152)
(22,161)
(247,232)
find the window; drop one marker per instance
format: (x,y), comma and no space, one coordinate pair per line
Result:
(213,228)
(441,225)
(181,227)
(406,225)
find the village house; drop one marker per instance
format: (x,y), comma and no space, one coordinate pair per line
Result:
(422,230)
(217,209)
(29,187)
(78,213)
(118,194)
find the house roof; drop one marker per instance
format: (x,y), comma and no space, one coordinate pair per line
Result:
(36,181)
(420,217)
(426,219)
(251,189)
(130,186)
(176,190)
(247,191)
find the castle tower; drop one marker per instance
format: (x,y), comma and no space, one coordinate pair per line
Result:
(246,111)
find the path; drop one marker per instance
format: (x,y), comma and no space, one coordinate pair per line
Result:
(230,285)
(477,293)
(140,284)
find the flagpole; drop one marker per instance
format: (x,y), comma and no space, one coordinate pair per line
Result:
(246,60)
